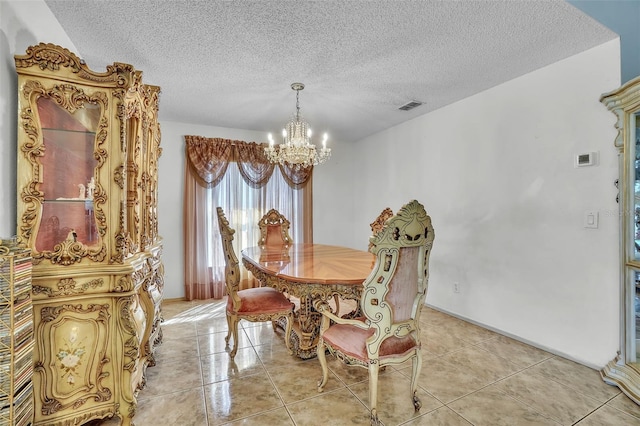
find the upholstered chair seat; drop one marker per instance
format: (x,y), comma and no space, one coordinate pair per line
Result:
(265,300)
(352,341)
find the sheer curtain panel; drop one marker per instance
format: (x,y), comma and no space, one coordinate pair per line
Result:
(236,176)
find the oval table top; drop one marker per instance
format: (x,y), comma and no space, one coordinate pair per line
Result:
(312,263)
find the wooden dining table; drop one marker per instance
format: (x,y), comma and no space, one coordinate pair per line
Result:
(310,272)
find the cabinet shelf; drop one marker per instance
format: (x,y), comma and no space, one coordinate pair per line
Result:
(71,201)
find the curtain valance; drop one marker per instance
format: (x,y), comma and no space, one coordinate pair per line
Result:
(208,159)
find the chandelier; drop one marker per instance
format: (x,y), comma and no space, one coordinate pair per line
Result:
(296,148)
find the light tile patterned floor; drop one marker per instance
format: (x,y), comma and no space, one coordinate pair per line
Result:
(470,376)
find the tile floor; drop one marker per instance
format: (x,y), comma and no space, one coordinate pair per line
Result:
(470,376)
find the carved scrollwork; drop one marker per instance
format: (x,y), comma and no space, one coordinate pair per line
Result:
(159,278)
(124,245)
(99,199)
(119,176)
(49,405)
(132,341)
(50,313)
(68,287)
(49,56)
(125,284)
(66,253)
(125,73)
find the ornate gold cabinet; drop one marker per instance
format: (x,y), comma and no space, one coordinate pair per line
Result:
(88,145)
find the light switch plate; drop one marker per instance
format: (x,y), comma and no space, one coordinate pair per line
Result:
(591,219)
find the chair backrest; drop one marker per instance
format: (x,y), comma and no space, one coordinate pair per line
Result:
(274,229)
(232,266)
(376,225)
(397,286)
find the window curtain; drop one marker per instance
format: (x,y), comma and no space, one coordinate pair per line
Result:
(236,176)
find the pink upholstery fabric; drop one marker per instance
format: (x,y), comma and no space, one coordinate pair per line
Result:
(350,340)
(261,299)
(274,235)
(404,284)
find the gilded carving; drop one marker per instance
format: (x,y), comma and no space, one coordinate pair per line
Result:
(125,284)
(66,253)
(130,335)
(119,176)
(49,56)
(109,233)
(68,287)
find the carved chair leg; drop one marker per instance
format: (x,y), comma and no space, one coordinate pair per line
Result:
(322,357)
(417,365)
(374,367)
(233,329)
(229,328)
(375,421)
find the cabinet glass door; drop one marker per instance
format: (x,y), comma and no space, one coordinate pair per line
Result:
(68,174)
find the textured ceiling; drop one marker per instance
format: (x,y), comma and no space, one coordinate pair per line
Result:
(231,63)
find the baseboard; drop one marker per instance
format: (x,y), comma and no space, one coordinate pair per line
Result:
(177,299)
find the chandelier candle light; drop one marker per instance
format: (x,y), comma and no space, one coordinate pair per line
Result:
(296,148)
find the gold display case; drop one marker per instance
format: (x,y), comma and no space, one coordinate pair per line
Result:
(88,148)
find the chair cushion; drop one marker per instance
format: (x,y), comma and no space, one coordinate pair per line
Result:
(351,340)
(260,300)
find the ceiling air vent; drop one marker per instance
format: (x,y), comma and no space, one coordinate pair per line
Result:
(411,105)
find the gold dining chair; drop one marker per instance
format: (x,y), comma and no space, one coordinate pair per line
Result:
(376,225)
(393,294)
(253,304)
(274,232)
(274,229)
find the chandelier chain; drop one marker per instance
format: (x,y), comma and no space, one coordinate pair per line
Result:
(297,104)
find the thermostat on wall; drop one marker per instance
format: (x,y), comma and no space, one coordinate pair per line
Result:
(587,159)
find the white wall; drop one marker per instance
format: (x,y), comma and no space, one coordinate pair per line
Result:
(22,24)
(496,173)
(333,185)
